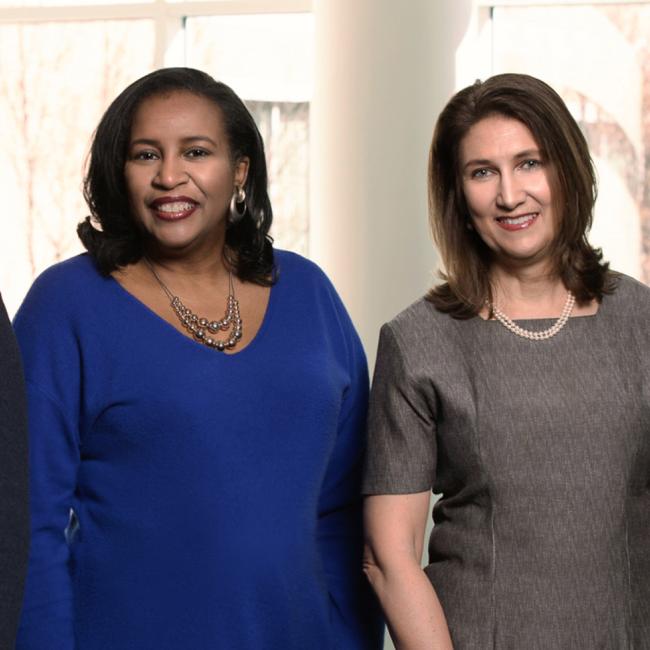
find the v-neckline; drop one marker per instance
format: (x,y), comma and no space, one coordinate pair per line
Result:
(254,342)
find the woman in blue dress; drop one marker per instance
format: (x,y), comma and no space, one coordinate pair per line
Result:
(196,402)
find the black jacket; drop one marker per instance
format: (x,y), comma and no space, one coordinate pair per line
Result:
(14,496)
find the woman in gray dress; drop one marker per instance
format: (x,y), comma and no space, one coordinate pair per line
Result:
(519,390)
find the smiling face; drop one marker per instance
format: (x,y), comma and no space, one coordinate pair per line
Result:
(179,173)
(507,188)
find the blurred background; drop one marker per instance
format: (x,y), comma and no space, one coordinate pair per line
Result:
(345,93)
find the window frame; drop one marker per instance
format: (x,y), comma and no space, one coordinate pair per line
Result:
(168,17)
(543,3)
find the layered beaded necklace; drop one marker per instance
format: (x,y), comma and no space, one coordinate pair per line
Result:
(200,328)
(509,324)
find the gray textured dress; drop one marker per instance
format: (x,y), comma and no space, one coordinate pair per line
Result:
(541,451)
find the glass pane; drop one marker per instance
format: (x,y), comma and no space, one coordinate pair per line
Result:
(273,74)
(598,58)
(55,81)
(285,129)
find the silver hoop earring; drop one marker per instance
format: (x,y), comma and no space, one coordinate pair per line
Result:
(237,206)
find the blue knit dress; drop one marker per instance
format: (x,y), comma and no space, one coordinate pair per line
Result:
(183,499)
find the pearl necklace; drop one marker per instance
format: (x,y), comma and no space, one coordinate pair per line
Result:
(532,335)
(201,328)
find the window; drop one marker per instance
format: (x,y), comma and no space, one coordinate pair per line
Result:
(277,86)
(60,67)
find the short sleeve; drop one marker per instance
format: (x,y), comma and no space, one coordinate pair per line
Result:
(401,446)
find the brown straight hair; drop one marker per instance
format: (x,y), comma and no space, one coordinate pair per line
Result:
(465,257)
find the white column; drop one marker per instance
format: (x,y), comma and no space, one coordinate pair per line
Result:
(384,69)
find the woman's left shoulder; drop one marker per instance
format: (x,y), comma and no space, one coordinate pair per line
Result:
(628,301)
(297,266)
(299,275)
(303,284)
(628,291)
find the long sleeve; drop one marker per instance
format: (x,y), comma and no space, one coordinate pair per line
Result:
(53,380)
(220,491)
(14,511)
(356,618)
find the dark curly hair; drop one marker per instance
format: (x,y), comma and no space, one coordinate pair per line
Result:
(110,234)
(465,256)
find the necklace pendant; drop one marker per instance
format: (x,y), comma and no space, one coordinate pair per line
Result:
(200,327)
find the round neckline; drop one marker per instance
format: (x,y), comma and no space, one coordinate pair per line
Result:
(261,332)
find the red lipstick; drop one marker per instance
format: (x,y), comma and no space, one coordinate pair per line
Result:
(173,208)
